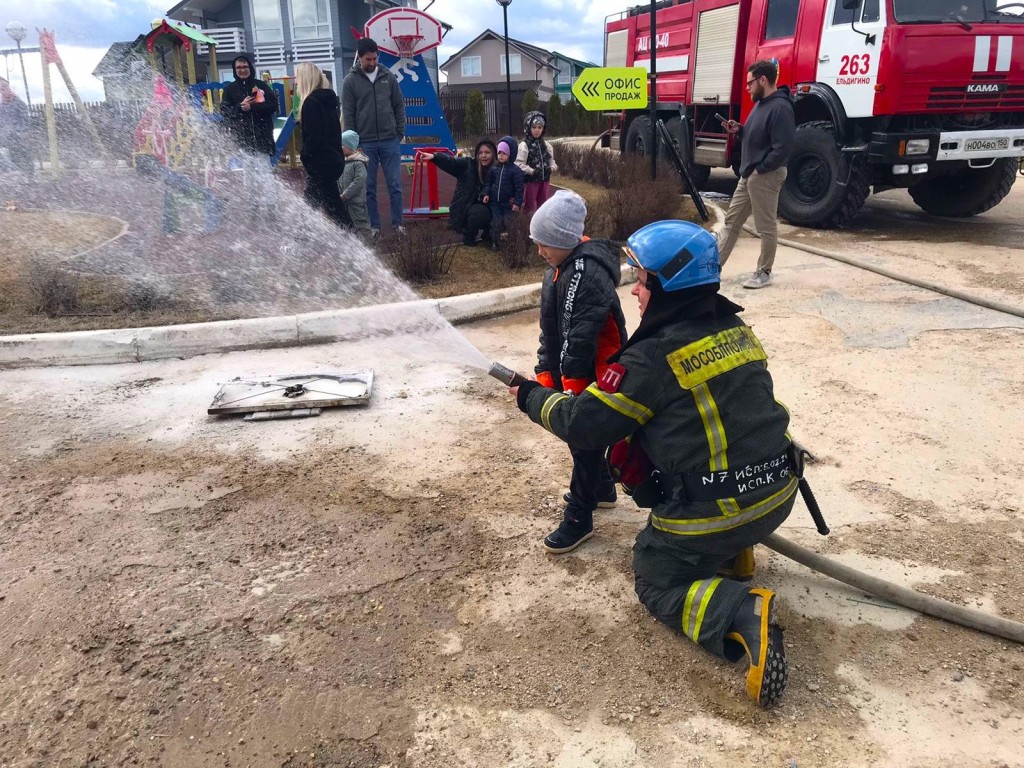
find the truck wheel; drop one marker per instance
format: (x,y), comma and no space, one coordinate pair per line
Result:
(822,188)
(967,192)
(638,136)
(699,173)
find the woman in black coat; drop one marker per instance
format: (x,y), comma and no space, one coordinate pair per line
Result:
(321,155)
(468,215)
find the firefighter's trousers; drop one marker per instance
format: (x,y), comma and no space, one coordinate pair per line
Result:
(675,579)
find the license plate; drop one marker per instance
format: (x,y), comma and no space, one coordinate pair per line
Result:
(986,145)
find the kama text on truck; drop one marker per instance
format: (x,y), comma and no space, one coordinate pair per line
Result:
(922,94)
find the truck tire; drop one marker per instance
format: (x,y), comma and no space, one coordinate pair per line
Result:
(638,136)
(967,192)
(699,173)
(822,189)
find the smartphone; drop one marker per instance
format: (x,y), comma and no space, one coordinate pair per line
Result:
(722,120)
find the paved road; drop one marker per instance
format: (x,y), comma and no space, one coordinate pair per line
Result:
(981,254)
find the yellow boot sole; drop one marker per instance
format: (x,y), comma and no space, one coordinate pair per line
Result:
(768,673)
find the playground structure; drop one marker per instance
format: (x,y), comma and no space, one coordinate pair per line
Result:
(163,142)
(403,35)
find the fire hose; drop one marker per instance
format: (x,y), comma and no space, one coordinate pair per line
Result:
(872,585)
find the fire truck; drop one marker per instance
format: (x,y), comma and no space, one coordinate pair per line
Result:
(927,95)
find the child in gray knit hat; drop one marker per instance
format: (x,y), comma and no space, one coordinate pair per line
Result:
(581,326)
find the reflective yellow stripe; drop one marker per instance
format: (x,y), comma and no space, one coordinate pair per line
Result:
(695,605)
(687,607)
(713,427)
(703,608)
(705,525)
(545,411)
(622,404)
(714,355)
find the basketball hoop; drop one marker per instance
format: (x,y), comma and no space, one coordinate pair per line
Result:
(406,44)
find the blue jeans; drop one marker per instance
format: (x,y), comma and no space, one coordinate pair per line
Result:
(389,155)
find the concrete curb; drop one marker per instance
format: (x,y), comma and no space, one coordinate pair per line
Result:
(132,345)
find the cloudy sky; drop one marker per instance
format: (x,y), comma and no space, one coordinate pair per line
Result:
(86,28)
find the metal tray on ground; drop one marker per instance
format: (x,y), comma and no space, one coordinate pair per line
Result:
(282,393)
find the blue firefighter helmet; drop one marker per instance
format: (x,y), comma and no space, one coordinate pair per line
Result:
(681,253)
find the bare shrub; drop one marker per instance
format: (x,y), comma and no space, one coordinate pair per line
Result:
(423,253)
(516,250)
(636,200)
(146,297)
(52,291)
(592,165)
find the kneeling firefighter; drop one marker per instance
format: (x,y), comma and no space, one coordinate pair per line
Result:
(699,438)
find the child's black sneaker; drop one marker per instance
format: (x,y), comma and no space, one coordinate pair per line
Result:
(569,535)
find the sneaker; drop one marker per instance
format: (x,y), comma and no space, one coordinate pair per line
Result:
(759,279)
(756,629)
(603,502)
(375,234)
(400,230)
(569,535)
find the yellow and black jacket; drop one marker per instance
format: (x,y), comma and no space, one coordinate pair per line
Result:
(698,397)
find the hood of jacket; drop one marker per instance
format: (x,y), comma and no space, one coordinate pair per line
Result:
(528,120)
(487,143)
(252,69)
(781,92)
(513,148)
(358,156)
(324,96)
(604,252)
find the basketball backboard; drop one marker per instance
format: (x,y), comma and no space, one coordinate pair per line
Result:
(407,24)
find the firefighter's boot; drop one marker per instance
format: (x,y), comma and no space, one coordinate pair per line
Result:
(739,568)
(756,629)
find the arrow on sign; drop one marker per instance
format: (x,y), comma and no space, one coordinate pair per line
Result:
(600,88)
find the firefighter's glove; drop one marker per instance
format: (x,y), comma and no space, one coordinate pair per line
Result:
(524,393)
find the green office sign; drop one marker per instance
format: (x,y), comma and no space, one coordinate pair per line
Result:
(600,88)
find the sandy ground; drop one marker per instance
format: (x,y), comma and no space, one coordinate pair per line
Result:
(368,589)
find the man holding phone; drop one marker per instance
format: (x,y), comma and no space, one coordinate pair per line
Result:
(767,142)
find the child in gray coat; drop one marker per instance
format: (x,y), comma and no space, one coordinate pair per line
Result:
(353,182)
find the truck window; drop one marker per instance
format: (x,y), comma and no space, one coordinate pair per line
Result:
(843,16)
(867,12)
(781,19)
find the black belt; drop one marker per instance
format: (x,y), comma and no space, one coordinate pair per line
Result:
(733,482)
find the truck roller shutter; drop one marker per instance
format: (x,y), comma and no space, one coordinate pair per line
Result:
(716,55)
(616,48)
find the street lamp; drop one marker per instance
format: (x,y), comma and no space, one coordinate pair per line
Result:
(508,66)
(17,32)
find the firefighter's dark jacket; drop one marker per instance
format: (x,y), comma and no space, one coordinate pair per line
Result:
(698,397)
(581,321)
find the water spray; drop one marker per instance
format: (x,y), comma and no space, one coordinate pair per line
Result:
(506,376)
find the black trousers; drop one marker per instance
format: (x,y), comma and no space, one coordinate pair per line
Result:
(590,479)
(478,217)
(322,193)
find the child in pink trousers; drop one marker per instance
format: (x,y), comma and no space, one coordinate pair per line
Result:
(536,158)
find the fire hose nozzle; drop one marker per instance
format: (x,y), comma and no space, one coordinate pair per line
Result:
(506,376)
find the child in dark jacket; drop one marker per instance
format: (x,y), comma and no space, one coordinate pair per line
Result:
(581,326)
(504,190)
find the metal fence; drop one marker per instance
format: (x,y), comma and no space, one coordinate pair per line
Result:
(495,113)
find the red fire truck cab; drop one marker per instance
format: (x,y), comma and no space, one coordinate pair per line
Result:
(922,94)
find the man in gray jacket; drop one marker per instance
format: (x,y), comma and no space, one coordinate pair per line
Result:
(372,106)
(768,138)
